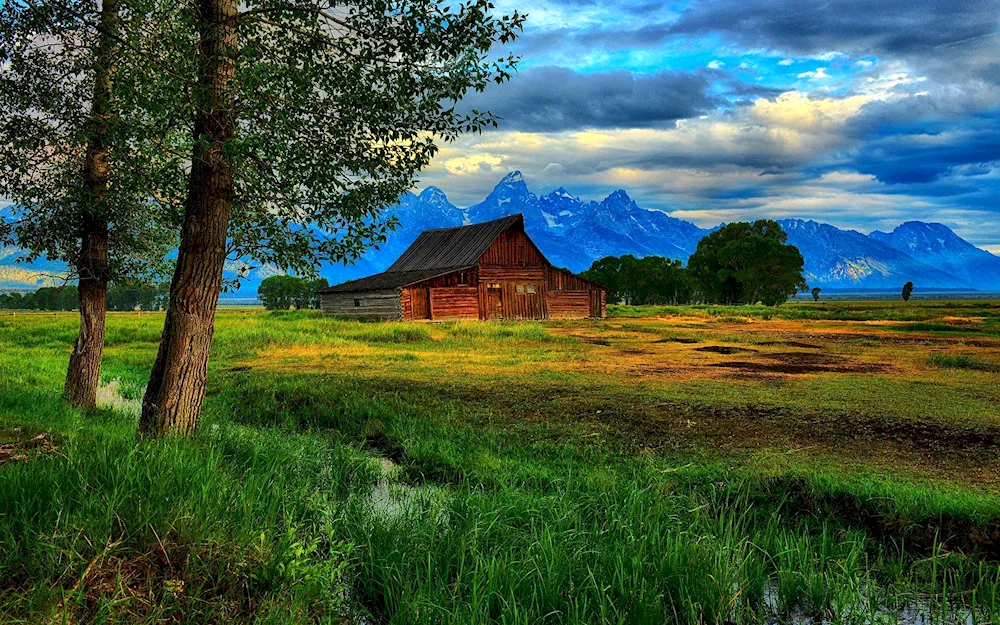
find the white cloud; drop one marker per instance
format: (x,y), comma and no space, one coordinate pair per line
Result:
(785,62)
(473,164)
(715,64)
(818,74)
(717,151)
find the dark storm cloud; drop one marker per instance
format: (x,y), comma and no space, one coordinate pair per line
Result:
(858,26)
(931,112)
(554,98)
(944,37)
(969,150)
(618,36)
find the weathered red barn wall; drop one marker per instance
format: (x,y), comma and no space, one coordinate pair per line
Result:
(570,296)
(448,297)
(515,305)
(566,305)
(510,261)
(405,304)
(451,279)
(512,248)
(459,302)
(561,280)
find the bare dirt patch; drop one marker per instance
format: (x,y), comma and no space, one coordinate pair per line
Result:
(797,363)
(724,349)
(164,582)
(798,344)
(593,340)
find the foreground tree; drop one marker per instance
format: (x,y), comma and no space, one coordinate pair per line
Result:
(79,177)
(743,263)
(308,119)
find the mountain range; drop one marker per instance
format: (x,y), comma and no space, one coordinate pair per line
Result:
(573,233)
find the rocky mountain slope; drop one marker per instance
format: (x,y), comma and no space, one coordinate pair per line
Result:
(573,233)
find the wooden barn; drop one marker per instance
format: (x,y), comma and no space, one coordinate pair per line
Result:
(489,270)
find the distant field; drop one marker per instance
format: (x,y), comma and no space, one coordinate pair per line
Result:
(693,464)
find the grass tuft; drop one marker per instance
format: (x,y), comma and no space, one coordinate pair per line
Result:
(963,361)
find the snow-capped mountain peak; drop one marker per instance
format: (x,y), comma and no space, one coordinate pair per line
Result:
(512,178)
(433,195)
(573,233)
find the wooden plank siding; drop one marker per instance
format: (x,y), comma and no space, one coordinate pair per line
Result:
(569,305)
(512,248)
(460,302)
(363,305)
(562,280)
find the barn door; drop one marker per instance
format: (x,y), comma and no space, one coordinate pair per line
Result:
(421,303)
(595,304)
(494,303)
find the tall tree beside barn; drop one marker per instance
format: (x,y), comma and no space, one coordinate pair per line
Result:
(747,263)
(87,188)
(308,120)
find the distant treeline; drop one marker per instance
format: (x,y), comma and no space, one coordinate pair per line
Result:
(120,297)
(284,292)
(740,263)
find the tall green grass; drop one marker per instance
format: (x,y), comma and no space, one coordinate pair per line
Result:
(267,515)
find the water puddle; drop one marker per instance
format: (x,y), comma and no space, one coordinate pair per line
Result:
(391,498)
(110,396)
(913,613)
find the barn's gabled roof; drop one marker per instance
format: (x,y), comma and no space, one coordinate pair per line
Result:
(445,248)
(435,253)
(388,280)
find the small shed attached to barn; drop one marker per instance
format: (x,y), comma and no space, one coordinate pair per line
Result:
(490,270)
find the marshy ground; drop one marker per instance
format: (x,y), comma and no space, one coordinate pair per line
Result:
(837,460)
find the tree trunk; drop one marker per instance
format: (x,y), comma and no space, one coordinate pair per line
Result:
(172,403)
(84,372)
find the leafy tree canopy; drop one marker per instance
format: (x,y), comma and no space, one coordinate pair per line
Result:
(744,263)
(48,56)
(907,291)
(649,280)
(339,106)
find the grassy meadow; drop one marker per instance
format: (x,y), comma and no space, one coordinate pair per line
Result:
(819,462)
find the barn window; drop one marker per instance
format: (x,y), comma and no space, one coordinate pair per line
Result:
(463,278)
(532,288)
(520,288)
(357,303)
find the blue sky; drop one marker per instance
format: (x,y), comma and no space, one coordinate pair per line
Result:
(855,113)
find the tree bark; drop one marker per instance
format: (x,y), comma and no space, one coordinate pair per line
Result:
(176,389)
(84,372)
